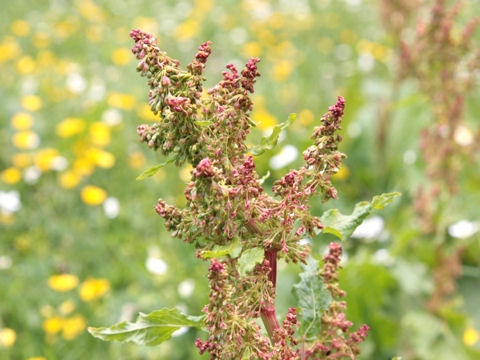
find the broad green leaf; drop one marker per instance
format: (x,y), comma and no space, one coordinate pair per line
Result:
(249,259)
(151,329)
(234,249)
(153,170)
(381,201)
(343,226)
(269,142)
(313,299)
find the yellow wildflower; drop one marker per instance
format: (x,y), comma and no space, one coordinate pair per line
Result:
(187,29)
(62,282)
(342,173)
(121,101)
(37,358)
(282,70)
(9,49)
(93,195)
(25,140)
(90,10)
(276,20)
(67,307)
(41,40)
(69,179)
(21,160)
(7,337)
(26,65)
(101,158)
(100,134)
(82,167)
(306,117)
(22,121)
(146,113)
(136,160)
(32,102)
(252,49)
(147,24)
(185,173)
(121,56)
(94,33)
(52,325)
(69,127)
(11,175)
(20,28)
(470,336)
(63,29)
(44,158)
(73,326)
(92,289)
(264,119)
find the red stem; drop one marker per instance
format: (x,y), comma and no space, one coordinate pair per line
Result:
(268,312)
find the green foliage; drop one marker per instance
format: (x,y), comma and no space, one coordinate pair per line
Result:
(313,299)
(151,329)
(153,170)
(343,226)
(233,249)
(249,259)
(269,142)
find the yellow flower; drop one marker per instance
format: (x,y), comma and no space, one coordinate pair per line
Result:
(26,65)
(342,173)
(82,166)
(204,5)
(9,49)
(63,29)
(121,56)
(69,179)
(99,134)
(93,195)
(73,326)
(264,119)
(90,10)
(25,140)
(11,175)
(136,160)
(52,325)
(92,289)
(20,28)
(69,127)
(306,117)
(101,158)
(31,102)
(187,29)
(22,121)
(121,101)
(276,20)
(185,173)
(146,113)
(282,70)
(41,40)
(147,24)
(470,336)
(67,307)
(37,358)
(252,49)
(21,160)
(62,282)
(7,337)
(44,158)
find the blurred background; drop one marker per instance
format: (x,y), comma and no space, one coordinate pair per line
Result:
(80,243)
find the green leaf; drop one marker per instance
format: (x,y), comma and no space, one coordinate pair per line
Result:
(151,329)
(249,259)
(313,299)
(153,170)
(269,142)
(233,249)
(343,226)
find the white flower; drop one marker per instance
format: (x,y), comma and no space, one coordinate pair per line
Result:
(5,262)
(463,135)
(287,155)
(369,228)
(31,174)
(463,229)
(156,266)
(10,201)
(112,117)
(76,83)
(186,288)
(111,206)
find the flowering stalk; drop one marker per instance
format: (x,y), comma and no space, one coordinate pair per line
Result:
(236,225)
